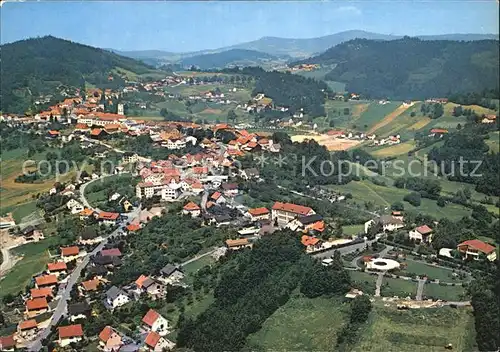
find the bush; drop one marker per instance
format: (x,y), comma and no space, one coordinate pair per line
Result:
(441,202)
(413,198)
(398,206)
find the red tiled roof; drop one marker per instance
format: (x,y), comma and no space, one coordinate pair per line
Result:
(86,212)
(90,285)
(81,126)
(292,208)
(41,292)
(106,333)
(28,324)
(69,251)
(133,227)
(96,132)
(237,242)
(112,126)
(113,252)
(57,266)
(7,342)
(152,339)
(150,317)
(479,245)
(216,195)
(439,130)
(54,133)
(191,206)
(46,280)
(141,280)
(258,211)
(318,226)
(424,229)
(37,303)
(104,215)
(309,240)
(70,331)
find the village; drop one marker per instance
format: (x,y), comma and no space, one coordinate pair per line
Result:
(208,184)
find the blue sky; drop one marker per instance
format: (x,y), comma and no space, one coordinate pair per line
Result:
(189,26)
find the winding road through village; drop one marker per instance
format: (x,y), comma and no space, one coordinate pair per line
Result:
(64,293)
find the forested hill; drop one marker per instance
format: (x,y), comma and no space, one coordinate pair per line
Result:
(235,57)
(411,68)
(37,66)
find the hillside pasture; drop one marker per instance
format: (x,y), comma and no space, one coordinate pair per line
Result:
(479,110)
(418,330)
(302,324)
(383,196)
(374,114)
(393,150)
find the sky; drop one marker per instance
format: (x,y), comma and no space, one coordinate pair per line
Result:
(189,26)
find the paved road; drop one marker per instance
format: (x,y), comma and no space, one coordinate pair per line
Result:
(420,289)
(198,257)
(378,284)
(64,293)
(7,261)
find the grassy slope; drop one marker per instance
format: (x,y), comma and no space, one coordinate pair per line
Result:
(365,191)
(302,324)
(418,330)
(12,193)
(374,114)
(35,257)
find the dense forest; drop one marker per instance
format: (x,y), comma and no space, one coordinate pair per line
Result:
(485,98)
(255,283)
(464,157)
(410,68)
(37,66)
(293,91)
(241,57)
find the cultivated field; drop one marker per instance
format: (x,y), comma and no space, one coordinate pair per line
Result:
(331,143)
(388,118)
(374,114)
(393,150)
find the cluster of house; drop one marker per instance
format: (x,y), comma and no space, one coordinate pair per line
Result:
(305,67)
(298,218)
(469,250)
(339,134)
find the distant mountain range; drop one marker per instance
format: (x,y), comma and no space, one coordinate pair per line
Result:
(411,68)
(296,48)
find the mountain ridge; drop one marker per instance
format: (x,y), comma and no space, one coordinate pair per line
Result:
(303,47)
(411,68)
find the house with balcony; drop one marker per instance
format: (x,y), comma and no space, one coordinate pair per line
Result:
(473,249)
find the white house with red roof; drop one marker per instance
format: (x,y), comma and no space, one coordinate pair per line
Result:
(155,342)
(422,234)
(257,214)
(70,334)
(286,212)
(153,321)
(472,249)
(109,340)
(192,209)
